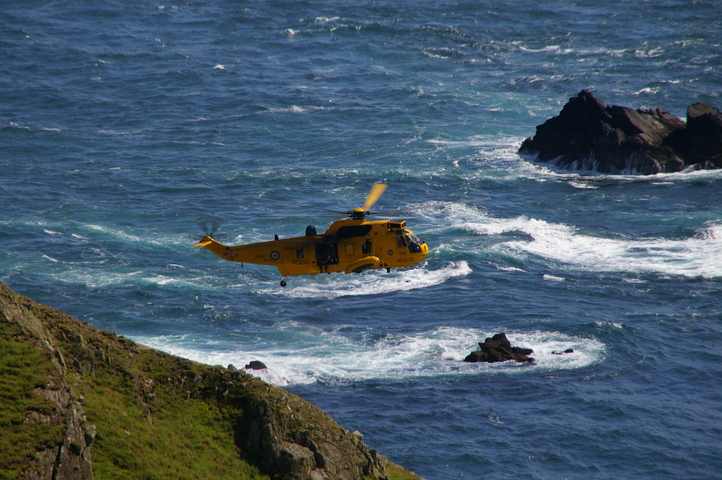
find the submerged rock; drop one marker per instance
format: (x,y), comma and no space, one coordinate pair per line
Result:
(499,349)
(587,135)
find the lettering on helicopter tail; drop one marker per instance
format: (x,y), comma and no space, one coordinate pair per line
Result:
(230,254)
(275,255)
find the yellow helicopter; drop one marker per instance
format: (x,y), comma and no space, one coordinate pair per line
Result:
(349,245)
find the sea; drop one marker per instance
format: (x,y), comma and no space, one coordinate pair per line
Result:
(124,123)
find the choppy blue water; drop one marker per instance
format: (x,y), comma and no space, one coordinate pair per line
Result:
(122,122)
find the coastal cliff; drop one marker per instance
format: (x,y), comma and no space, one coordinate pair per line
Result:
(80,403)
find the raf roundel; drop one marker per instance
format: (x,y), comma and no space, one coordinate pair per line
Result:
(275,255)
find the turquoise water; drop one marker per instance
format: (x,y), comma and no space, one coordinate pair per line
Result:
(121,124)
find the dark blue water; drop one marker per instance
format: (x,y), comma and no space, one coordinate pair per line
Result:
(123,122)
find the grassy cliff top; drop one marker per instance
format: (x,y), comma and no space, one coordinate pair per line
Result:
(79,403)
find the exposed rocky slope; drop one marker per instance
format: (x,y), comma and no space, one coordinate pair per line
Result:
(587,135)
(77,401)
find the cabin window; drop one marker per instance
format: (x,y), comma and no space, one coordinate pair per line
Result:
(326,254)
(299,253)
(366,248)
(401,241)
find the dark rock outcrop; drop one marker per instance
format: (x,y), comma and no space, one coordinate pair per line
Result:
(703,139)
(587,135)
(499,349)
(255,365)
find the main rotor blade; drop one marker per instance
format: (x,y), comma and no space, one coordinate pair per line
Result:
(377,189)
(294,204)
(428,206)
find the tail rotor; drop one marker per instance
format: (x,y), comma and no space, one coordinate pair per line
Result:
(209,225)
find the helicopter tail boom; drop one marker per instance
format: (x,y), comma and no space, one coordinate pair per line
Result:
(264,253)
(242,254)
(206,240)
(212,245)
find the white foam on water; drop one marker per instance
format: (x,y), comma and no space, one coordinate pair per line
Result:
(698,256)
(100,278)
(552,278)
(582,186)
(320,356)
(692,257)
(296,109)
(371,283)
(324,20)
(526,167)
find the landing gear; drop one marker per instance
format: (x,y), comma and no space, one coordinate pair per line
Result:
(283,282)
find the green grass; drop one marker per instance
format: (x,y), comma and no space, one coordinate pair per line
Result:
(396,472)
(22,368)
(186,439)
(189,439)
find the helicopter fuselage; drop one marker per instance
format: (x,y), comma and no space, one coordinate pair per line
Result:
(349,245)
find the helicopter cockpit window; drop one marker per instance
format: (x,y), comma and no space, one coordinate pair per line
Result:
(414,244)
(408,239)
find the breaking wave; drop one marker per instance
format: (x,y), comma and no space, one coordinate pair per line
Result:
(305,354)
(697,256)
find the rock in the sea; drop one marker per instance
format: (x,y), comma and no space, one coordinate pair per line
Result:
(255,365)
(499,349)
(587,135)
(703,139)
